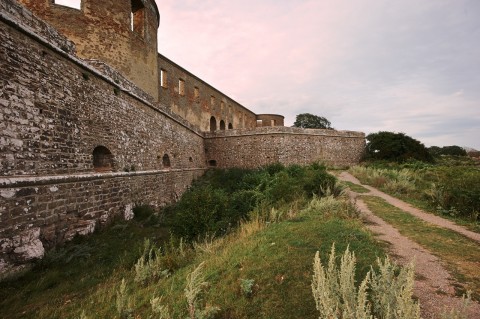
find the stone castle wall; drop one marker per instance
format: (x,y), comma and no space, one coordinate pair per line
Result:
(80,143)
(55,111)
(286,145)
(198,101)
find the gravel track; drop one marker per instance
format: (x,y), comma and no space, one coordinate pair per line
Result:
(434,286)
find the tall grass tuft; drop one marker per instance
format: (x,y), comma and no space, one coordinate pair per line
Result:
(330,206)
(123,302)
(195,285)
(392,291)
(336,296)
(334,289)
(149,265)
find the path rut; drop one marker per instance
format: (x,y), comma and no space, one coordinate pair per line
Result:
(434,286)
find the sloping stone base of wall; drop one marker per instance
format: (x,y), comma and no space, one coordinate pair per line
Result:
(40,212)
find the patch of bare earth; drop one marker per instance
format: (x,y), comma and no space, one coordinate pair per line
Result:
(434,286)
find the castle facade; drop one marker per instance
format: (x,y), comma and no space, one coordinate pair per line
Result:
(93,120)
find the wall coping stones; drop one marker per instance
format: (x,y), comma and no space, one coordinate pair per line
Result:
(283,130)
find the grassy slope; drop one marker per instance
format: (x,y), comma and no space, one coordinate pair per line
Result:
(278,258)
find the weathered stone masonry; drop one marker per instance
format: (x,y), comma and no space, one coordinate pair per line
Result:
(54,113)
(85,138)
(286,145)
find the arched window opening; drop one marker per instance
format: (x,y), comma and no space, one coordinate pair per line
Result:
(190,159)
(213,124)
(230,126)
(222,125)
(102,159)
(166,161)
(212,163)
(75,4)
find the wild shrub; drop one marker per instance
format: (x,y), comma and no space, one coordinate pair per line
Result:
(334,288)
(196,284)
(392,290)
(149,266)
(336,295)
(123,302)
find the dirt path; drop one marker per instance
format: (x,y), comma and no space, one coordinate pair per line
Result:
(434,286)
(430,218)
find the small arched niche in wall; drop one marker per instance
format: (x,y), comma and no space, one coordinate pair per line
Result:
(166,161)
(222,125)
(230,126)
(102,159)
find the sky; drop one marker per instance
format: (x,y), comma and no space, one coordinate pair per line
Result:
(410,66)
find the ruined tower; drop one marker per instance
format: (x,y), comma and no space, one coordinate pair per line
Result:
(119,33)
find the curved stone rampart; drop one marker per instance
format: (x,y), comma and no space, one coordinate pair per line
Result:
(286,145)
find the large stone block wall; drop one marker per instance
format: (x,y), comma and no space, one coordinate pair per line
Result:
(102,30)
(199,109)
(55,109)
(267,145)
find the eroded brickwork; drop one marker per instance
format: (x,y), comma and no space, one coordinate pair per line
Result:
(266,145)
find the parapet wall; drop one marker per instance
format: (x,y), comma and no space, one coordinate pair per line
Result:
(77,148)
(286,145)
(197,101)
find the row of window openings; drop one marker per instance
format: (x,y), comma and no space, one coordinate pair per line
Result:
(103,159)
(213,125)
(196,90)
(137,14)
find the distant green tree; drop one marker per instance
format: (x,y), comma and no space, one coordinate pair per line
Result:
(447,150)
(307,120)
(397,147)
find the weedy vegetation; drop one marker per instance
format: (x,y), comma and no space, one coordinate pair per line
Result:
(448,187)
(239,244)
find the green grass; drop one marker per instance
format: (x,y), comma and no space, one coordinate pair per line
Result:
(357,188)
(278,258)
(448,188)
(273,247)
(461,254)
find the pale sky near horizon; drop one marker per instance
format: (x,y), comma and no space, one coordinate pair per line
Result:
(409,66)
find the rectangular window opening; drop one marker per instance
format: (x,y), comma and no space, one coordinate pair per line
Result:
(196,94)
(75,4)
(181,87)
(272,122)
(137,17)
(259,123)
(163,78)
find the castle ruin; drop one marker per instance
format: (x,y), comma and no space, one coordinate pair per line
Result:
(93,120)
